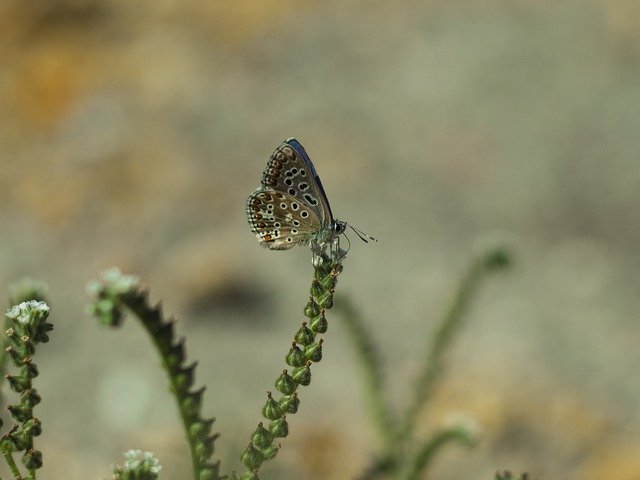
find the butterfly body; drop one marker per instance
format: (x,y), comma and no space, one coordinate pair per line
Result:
(290,207)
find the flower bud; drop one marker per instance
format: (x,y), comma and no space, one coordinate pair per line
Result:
(32,427)
(326,300)
(314,351)
(252,458)
(201,429)
(302,375)
(32,459)
(184,378)
(271,409)
(21,412)
(211,472)
(29,368)
(203,448)
(270,452)
(311,309)
(328,282)
(16,358)
(316,288)
(295,357)
(279,427)
(18,383)
(289,403)
(192,404)
(175,356)
(261,437)
(286,384)
(304,335)
(319,324)
(31,397)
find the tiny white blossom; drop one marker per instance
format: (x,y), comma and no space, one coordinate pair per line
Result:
(119,282)
(152,462)
(141,461)
(27,311)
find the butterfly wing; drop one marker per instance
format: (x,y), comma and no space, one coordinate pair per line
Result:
(291,171)
(279,220)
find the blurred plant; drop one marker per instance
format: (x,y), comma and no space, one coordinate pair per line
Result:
(402,456)
(111,296)
(507,475)
(139,466)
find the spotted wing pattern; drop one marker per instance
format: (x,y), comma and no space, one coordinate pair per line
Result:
(290,170)
(290,208)
(279,220)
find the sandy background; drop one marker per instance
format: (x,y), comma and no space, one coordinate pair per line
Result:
(132,132)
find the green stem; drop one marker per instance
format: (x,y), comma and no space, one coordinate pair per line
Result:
(172,356)
(366,352)
(303,352)
(492,260)
(12,464)
(123,290)
(391,460)
(427,452)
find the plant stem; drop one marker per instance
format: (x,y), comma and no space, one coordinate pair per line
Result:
(366,352)
(120,290)
(428,450)
(12,465)
(492,260)
(304,351)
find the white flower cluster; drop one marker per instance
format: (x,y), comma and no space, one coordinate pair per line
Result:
(26,312)
(139,460)
(117,282)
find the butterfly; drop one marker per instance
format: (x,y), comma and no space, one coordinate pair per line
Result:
(290,208)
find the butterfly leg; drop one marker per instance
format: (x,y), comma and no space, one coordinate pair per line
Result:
(317,253)
(336,252)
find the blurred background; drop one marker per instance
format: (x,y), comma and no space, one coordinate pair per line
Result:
(131,134)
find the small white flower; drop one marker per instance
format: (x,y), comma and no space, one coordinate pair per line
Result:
(152,462)
(26,312)
(141,462)
(132,461)
(118,282)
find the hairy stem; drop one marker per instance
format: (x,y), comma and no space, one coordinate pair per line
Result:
(304,351)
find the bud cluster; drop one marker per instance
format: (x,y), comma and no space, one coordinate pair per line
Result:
(110,297)
(27,327)
(304,351)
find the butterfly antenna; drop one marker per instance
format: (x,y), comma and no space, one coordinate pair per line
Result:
(363,236)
